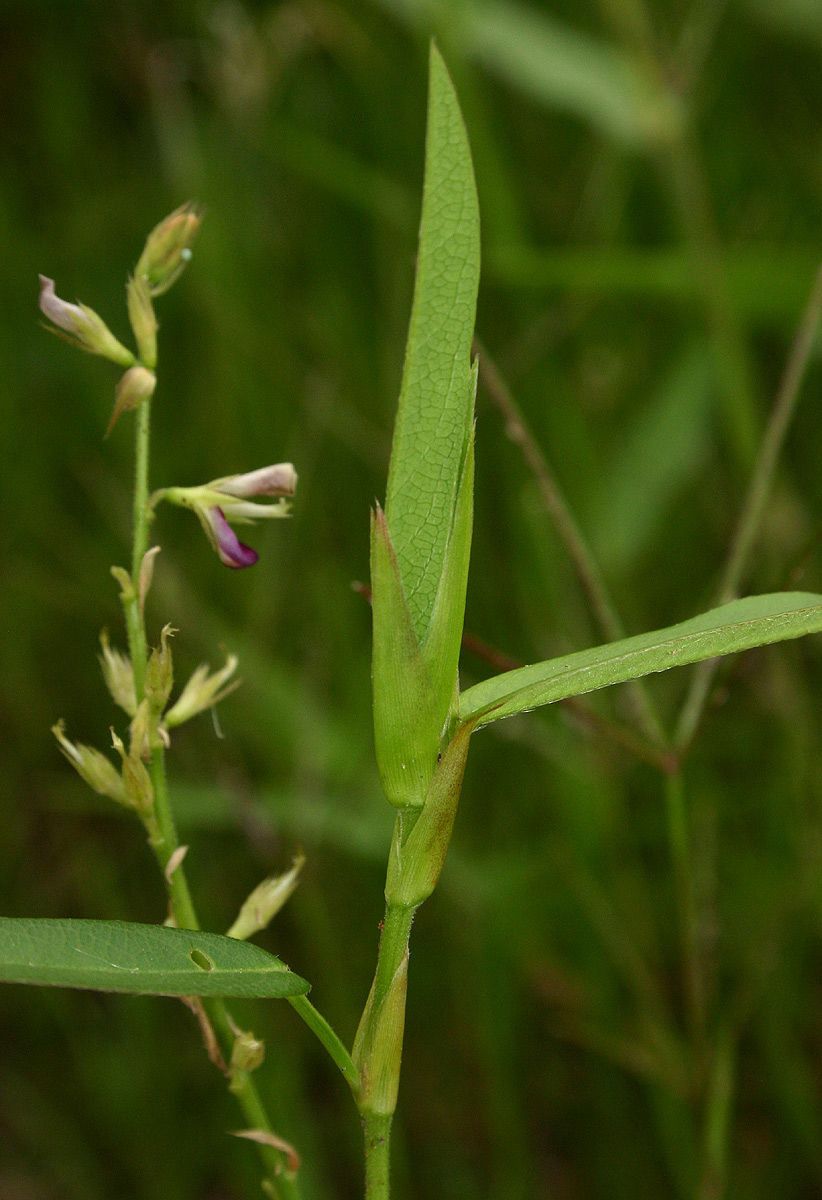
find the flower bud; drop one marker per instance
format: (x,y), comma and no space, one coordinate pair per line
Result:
(160,673)
(135,386)
(92,766)
(81,326)
(247,1053)
(121,576)
(118,674)
(141,731)
(168,249)
(146,575)
(137,785)
(143,320)
(266,901)
(201,692)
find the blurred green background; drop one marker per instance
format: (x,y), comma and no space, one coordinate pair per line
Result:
(650,177)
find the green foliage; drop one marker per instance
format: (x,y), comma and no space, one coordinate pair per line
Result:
(406,728)
(740,625)
(435,413)
(299,128)
(420,547)
(556,64)
(143,960)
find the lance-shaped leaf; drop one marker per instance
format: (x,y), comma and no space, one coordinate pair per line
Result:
(441,647)
(740,625)
(406,728)
(120,956)
(435,412)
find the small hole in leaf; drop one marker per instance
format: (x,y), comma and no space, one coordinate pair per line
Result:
(200,960)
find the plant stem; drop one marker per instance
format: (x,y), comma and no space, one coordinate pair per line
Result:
(585,565)
(681,168)
(382,1050)
(717,1117)
(141,515)
(679,164)
(753,508)
(317,1023)
(281,1180)
(680,849)
(396,931)
(377,1132)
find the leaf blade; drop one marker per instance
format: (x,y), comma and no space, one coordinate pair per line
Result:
(122,956)
(740,625)
(435,411)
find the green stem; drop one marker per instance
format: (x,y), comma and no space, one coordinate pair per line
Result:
(583,561)
(396,931)
(380,1050)
(680,848)
(753,508)
(318,1025)
(281,1181)
(377,1131)
(166,843)
(141,514)
(681,169)
(135,626)
(718,1107)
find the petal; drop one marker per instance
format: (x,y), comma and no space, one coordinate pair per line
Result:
(59,312)
(280,479)
(231,550)
(246,512)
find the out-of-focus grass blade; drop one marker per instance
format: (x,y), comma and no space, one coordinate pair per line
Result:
(740,625)
(657,456)
(435,411)
(120,956)
(554,63)
(801,17)
(765,283)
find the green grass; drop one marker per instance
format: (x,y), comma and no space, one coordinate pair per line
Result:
(582,1070)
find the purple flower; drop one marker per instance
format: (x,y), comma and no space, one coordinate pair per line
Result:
(226,500)
(280,479)
(68,317)
(81,325)
(232,552)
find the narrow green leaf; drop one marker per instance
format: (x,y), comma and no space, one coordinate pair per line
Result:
(120,956)
(441,648)
(740,625)
(767,286)
(435,412)
(406,726)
